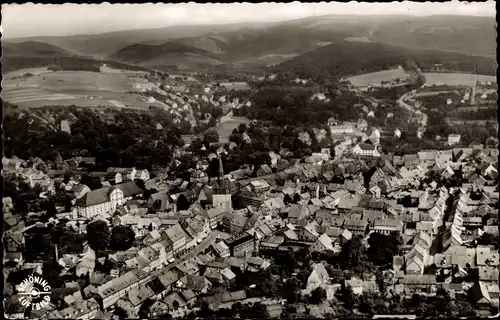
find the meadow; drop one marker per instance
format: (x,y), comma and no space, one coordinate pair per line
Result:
(456,79)
(107,88)
(235,85)
(377,77)
(226,127)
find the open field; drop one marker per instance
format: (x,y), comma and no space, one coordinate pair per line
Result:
(377,77)
(74,88)
(235,85)
(228,124)
(456,79)
(19,73)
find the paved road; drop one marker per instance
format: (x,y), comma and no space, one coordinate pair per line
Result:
(401,102)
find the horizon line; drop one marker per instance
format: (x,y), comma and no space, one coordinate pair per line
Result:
(4,36)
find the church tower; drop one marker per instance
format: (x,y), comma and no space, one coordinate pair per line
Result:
(222,194)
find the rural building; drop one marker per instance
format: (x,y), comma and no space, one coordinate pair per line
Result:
(453,139)
(105,200)
(364,149)
(342,129)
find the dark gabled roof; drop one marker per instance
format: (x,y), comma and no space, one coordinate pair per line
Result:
(156,286)
(233,242)
(366,146)
(129,189)
(95,197)
(266,169)
(410,157)
(168,277)
(196,283)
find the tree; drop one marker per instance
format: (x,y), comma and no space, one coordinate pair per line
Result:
(317,296)
(347,296)
(98,235)
(382,248)
(315,144)
(144,310)
(92,182)
(211,135)
(366,304)
(182,203)
(20,207)
(50,212)
(353,256)
(122,238)
(242,127)
(120,313)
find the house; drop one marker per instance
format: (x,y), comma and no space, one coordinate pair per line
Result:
(174,301)
(214,216)
(362,124)
(82,309)
(134,299)
(128,174)
(357,227)
(221,249)
(196,227)
(488,273)
(307,233)
(110,292)
(274,310)
(243,245)
(386,226)
(342,129)
(246,198)
(177,237)
(159,201)
(323,243)
(80,190)
(416,260)
(479,294)
(264,170)
(453,139)
(296,213)
(318,277)
(412,283)
(364,149)
(142,175)
(347,204)
(237,224)
(158,308)
(360,286)
(485,257)
(98,202)
(195,283)
(167,279)
(411,161)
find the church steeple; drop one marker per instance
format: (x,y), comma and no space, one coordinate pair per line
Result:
(221,173)
(223,186)
(222,193)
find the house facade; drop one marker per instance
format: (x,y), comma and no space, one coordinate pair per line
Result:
(364,149)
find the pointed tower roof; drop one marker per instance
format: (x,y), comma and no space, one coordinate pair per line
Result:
(223,186)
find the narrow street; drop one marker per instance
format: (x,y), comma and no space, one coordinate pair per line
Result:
(204,245)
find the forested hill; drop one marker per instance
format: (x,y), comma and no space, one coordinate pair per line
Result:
(75,63)
(347,58)
(34,49)
(114,136)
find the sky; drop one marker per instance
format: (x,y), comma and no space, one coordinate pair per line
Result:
(27,20)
